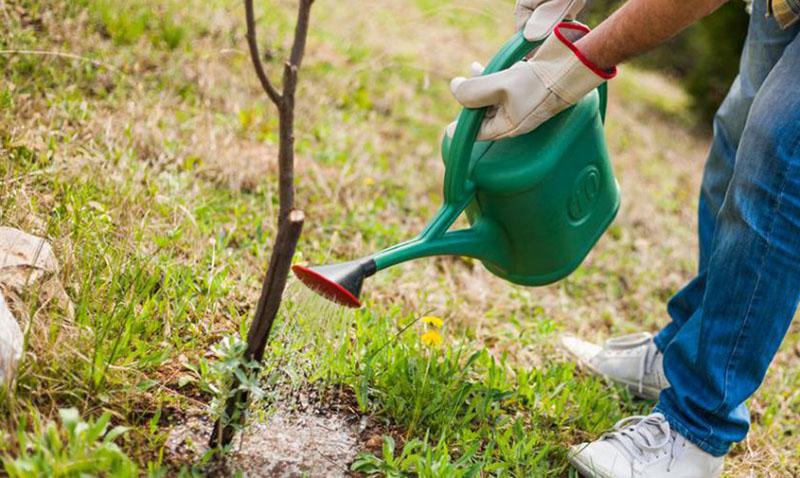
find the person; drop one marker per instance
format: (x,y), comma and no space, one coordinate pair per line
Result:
(729,320)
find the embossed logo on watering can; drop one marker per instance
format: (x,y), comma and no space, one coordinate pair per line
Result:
(584,194)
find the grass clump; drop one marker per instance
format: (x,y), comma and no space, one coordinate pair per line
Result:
(128,22)
(73,448)
(459,406)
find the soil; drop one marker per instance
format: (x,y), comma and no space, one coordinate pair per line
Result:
(298,440)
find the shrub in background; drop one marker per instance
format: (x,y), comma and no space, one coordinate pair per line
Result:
(705,57)
(716,45)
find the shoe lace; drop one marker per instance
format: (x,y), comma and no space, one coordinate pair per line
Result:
(648,358)
(640,435)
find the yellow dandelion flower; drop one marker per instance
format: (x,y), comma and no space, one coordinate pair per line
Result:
(432,338)
(369,181)
(434,321)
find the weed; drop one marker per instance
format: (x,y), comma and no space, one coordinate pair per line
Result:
(218,377)
(418,458)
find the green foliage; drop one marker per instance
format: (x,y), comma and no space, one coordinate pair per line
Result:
(716,49)
(127,22)
(76,448)
(227,376)
(417,458)
(462,409)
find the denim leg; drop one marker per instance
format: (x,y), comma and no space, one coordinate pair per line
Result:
(752,277)
(762,50)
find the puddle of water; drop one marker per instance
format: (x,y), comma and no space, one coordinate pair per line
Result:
(291,445)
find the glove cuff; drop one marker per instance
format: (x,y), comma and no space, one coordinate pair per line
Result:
(567,33)
(563,69)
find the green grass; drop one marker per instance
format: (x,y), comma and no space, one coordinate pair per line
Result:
(148,162)
(478,412)
(128,23)
(76,448)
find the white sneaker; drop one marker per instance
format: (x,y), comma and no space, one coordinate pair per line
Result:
(631,360)
(644,447)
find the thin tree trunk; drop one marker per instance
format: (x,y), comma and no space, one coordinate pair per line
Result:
(268,306)
(290,221)
(274,284)
(286,160)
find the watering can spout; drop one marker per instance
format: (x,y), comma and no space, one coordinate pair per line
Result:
(340,283)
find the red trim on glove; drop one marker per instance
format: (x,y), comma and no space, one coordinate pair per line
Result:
(605,74)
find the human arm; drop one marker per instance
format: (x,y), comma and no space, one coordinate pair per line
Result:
(570,63)
(639,26)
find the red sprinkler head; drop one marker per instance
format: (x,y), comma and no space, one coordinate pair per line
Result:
(340,283)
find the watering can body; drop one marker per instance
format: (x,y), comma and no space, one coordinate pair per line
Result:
(536,203)
(542,199)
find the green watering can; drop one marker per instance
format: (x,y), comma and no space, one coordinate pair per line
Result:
(537,203)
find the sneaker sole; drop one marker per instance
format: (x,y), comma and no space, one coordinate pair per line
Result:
(587,470)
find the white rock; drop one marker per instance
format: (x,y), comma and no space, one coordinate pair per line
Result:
(11,340)
(26,261)
(24,258)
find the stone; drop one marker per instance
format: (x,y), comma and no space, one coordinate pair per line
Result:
(25,260)
(11,340)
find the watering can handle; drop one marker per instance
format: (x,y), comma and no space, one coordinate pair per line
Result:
(457,187)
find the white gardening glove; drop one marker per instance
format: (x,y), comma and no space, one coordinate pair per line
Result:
(537,18)
(475,69)
(532,91)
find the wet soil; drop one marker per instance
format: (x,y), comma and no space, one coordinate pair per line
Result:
(315,436)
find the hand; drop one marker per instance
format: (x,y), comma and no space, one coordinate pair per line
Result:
(537,18)
(475,69)
(531,92)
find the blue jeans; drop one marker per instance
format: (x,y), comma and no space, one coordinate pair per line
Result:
(728,322)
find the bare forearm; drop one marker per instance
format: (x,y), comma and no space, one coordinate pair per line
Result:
(640,25)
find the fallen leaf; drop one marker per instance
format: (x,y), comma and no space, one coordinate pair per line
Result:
(374,442)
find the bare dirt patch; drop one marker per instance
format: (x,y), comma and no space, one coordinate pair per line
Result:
(321,439)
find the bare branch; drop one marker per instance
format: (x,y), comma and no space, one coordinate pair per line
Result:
(299,44)
(286,111)
(255,56)
(301,32)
